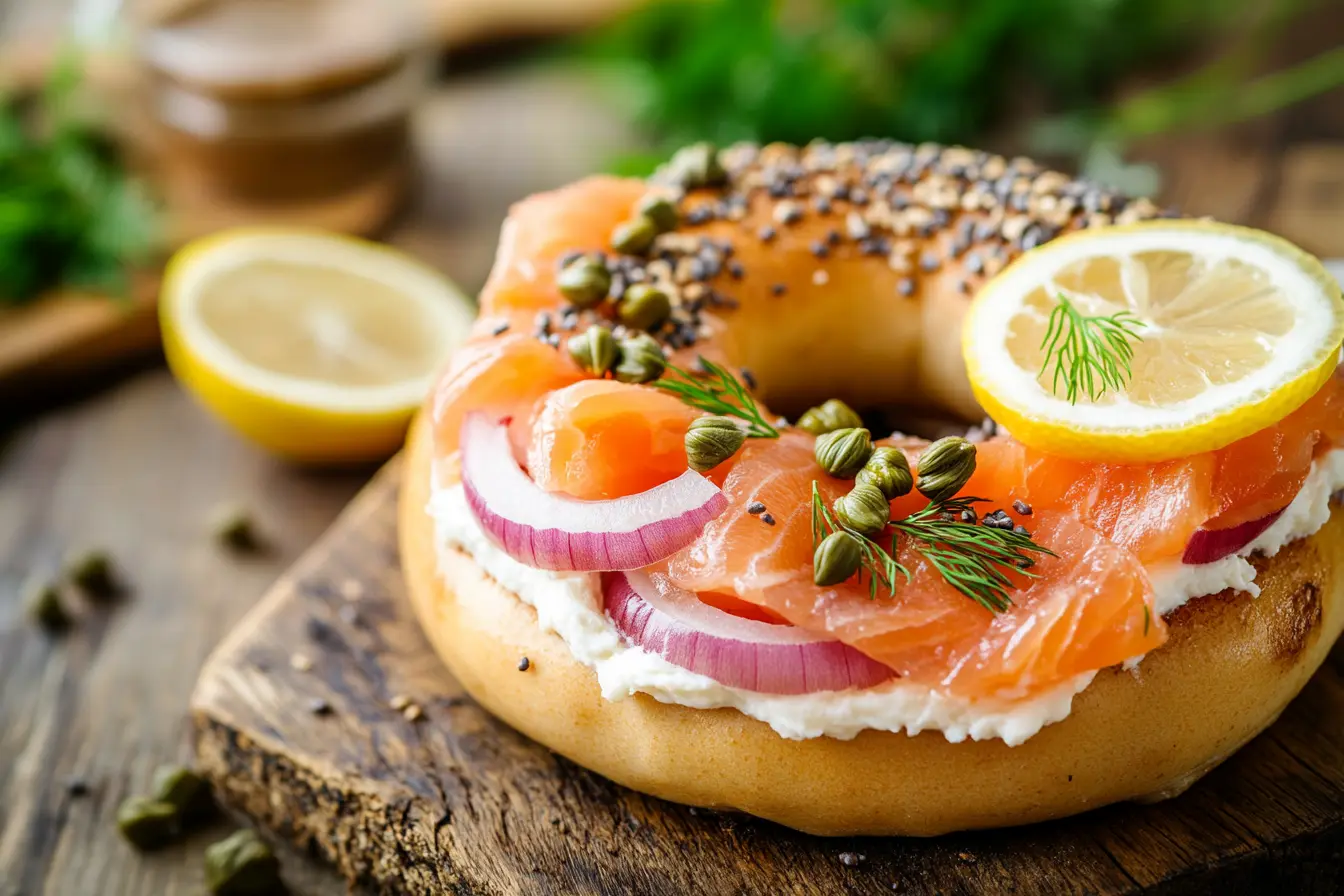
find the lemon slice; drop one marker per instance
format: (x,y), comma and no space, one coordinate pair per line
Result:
(1237,328)
(317,347)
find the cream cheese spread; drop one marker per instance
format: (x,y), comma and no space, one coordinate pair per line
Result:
(570,605)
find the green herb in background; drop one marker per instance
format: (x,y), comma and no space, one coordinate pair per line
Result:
(942,70)
(69,214)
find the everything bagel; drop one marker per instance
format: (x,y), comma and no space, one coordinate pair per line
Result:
(810,274)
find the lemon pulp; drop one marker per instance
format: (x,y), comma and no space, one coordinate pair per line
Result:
(317,347)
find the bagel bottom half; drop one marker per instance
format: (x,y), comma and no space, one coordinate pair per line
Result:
(1233,662)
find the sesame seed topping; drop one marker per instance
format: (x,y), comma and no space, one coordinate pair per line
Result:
(856,227)
(755,507)
(767,519)
(787,213)
(888,195)
(499,328)
(1022,507)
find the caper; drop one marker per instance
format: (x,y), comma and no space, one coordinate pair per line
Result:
(242,865)
(698,165)
(594,349)
(146,823)
(945,467)
(45,606)
(634,237)
(584,282)
(660,210)
(184,790)
(843,453)
(712,440)
(233,527)
(837,558)
(865,510)
(828,417)
(642,359)
(644,307)
(888,471)
(91,572)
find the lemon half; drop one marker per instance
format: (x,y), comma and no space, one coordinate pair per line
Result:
(315,346)
(1236,329)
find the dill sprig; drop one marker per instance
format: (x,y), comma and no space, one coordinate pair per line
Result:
(976,560)
(718,392)
(880,565)
(1089,354)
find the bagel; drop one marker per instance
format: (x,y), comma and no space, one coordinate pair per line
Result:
(876,320)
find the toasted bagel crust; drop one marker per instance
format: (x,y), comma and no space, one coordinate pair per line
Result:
(1233,662)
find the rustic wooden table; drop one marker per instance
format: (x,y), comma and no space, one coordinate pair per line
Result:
(137,467)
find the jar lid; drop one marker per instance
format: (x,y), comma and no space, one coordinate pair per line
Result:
(274,49)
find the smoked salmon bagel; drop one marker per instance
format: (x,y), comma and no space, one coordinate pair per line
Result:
(620,548)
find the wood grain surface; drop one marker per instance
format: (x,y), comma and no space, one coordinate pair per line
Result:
(136,467)
(456,802)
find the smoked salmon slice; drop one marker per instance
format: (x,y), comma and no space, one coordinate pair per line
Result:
(543,228)
(1090,607)
(600,439)
(504,376)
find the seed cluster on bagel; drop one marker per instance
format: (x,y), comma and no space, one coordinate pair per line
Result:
(918,208)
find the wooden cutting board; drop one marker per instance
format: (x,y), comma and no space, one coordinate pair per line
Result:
(456,802)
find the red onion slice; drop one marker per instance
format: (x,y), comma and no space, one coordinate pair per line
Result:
(550,531)
(742,653)
(1208,545)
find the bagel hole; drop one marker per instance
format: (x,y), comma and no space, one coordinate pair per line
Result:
(922,422)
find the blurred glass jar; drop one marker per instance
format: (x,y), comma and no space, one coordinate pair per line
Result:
(282,101)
